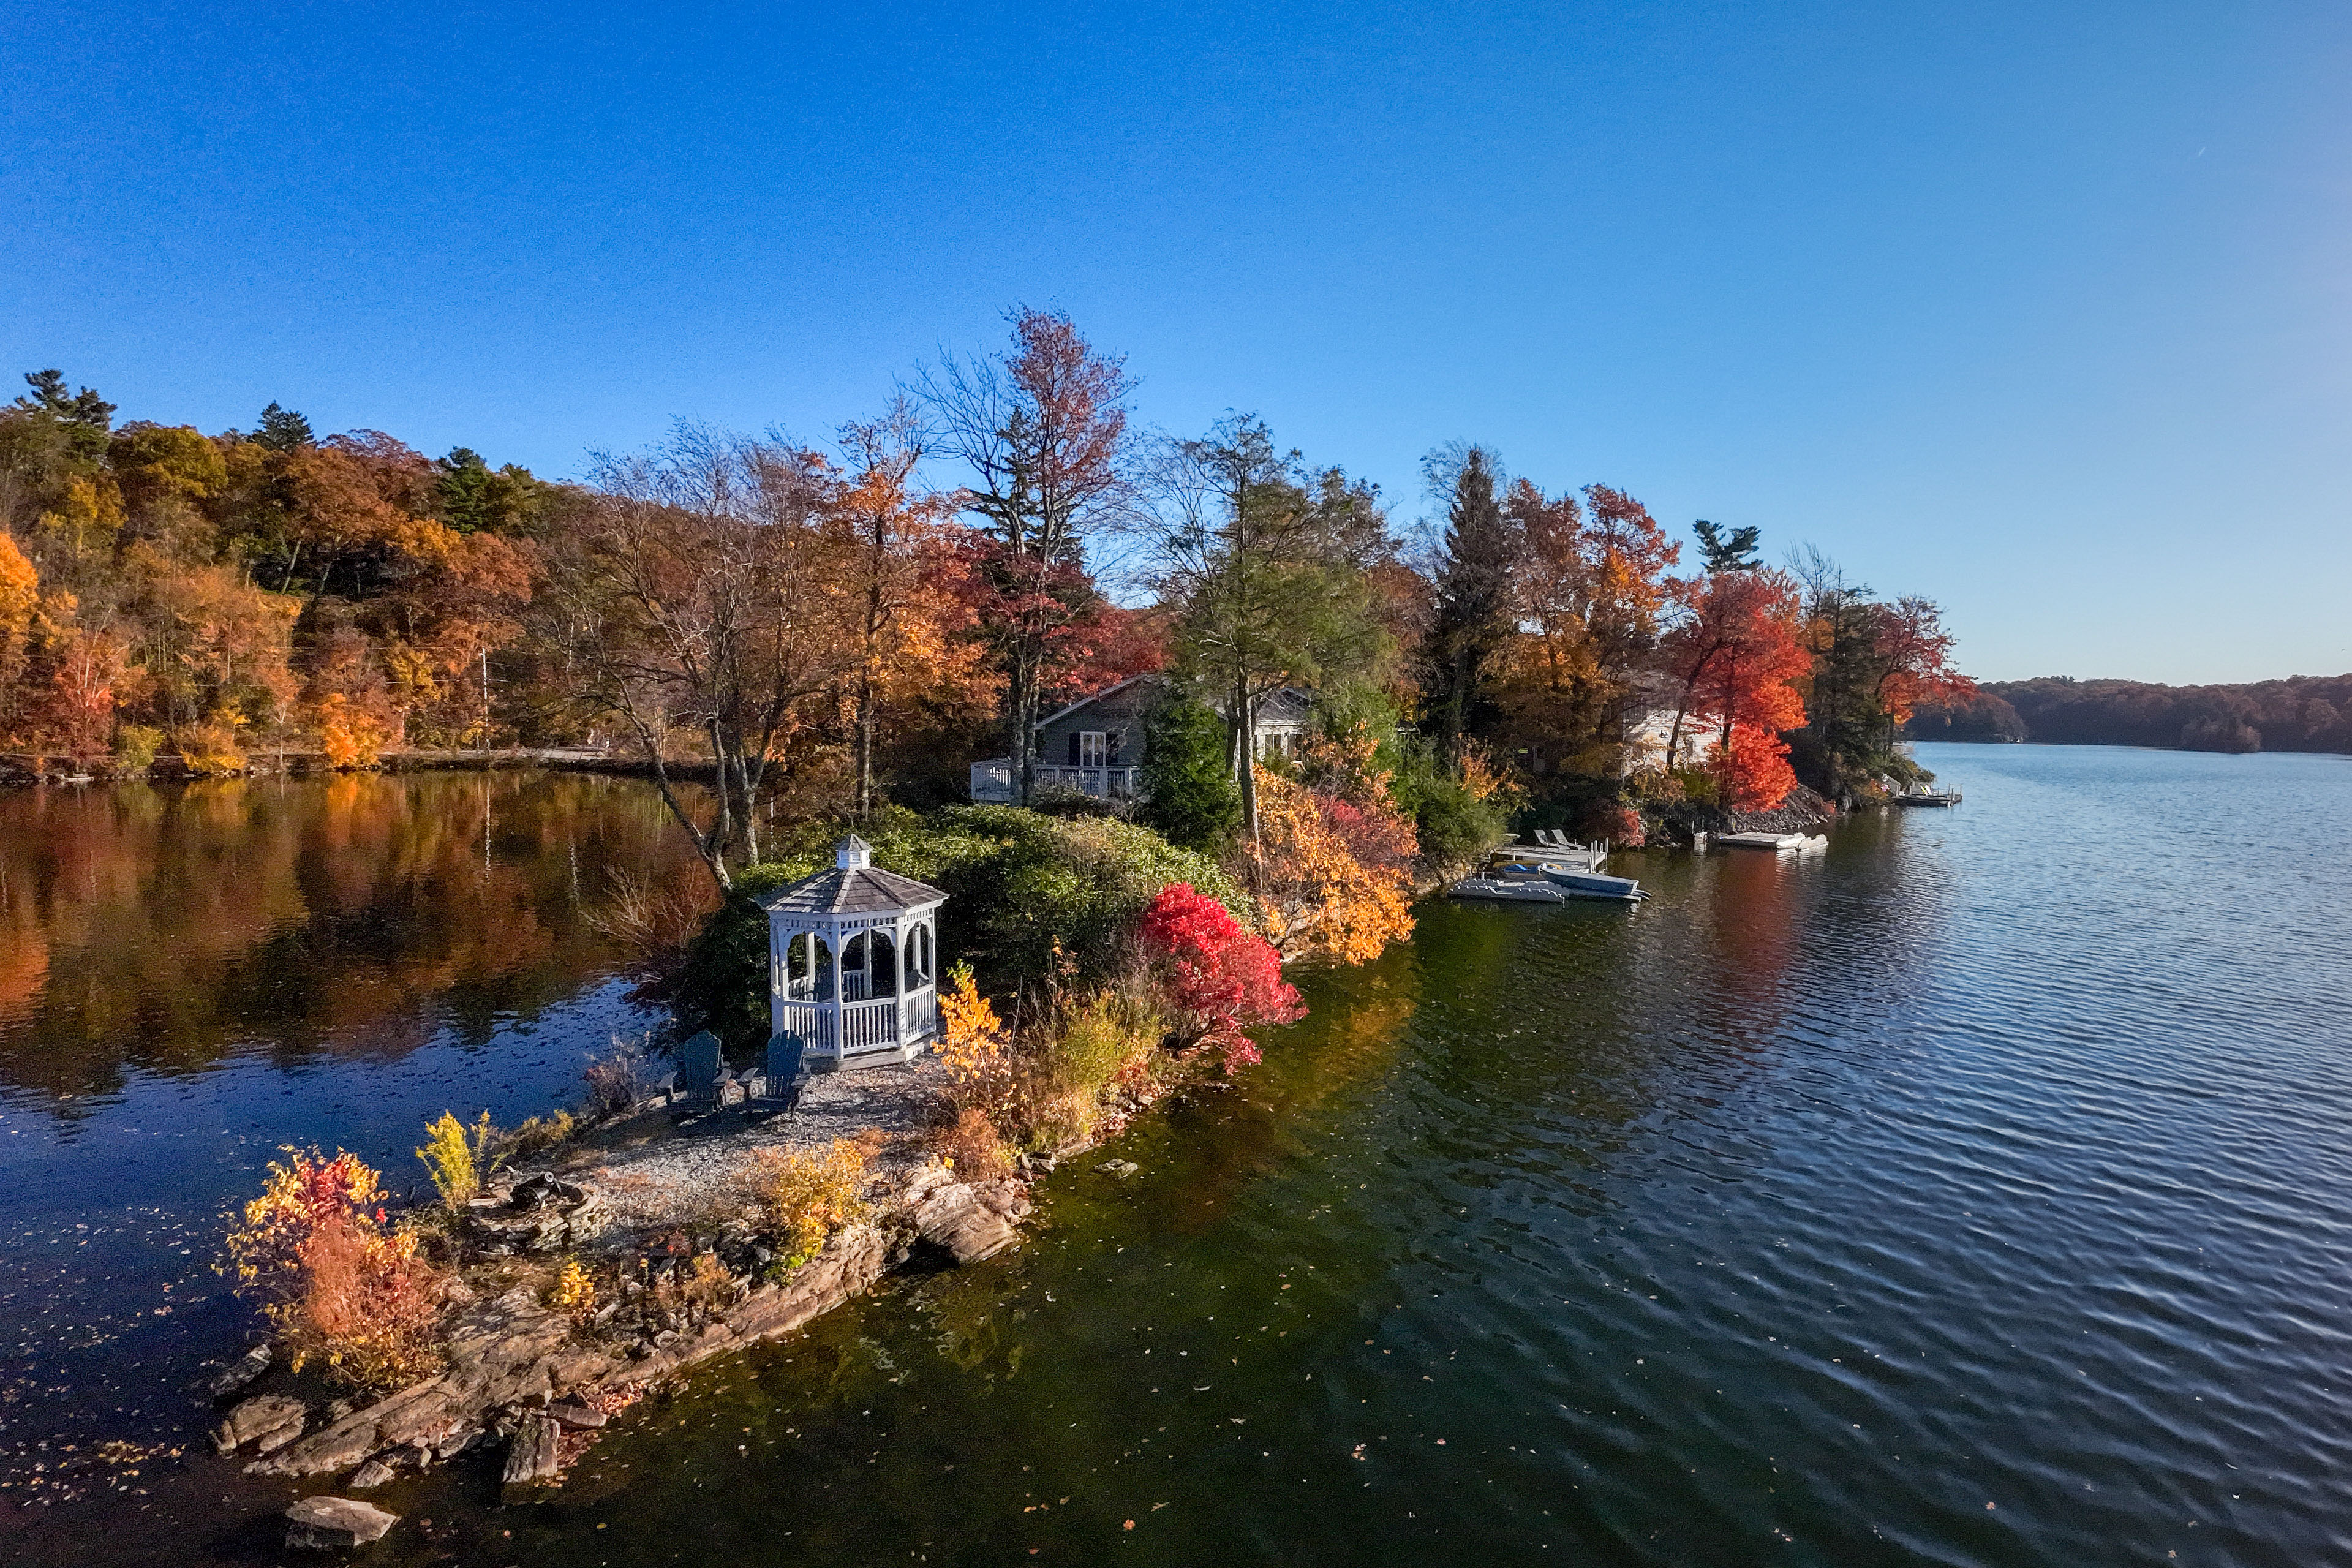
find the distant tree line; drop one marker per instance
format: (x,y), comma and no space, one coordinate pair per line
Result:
(2301,713)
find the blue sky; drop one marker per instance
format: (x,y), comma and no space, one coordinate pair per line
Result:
(2043,312)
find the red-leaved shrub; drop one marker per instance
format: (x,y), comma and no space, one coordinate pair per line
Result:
(1219,979)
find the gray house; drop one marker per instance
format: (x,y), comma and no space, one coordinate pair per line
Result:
(1095,746)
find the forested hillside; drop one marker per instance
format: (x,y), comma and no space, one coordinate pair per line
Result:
(2301,713)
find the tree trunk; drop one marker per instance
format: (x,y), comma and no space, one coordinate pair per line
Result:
(1249,767)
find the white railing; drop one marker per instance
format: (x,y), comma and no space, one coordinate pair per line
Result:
(869,1026)
(1103,784)
(859,1026)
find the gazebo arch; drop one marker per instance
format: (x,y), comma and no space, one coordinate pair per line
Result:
(852,974)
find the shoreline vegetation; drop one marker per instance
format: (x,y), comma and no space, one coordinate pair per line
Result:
(793,642)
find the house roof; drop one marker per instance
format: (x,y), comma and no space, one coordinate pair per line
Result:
(1095,696)
(1284,704)
(853,891)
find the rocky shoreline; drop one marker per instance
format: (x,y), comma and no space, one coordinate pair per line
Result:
(642,1198)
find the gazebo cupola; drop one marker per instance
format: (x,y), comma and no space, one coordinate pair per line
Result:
(851,963)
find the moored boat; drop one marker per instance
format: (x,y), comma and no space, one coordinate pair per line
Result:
(1771,840)
(1508,890)
(1928,797)
(1595,885)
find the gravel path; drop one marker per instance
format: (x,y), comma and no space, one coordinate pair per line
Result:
(692,1168)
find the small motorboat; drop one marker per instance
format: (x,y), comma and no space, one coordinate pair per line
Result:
(1928,797)
(1508,890)
(1780,841)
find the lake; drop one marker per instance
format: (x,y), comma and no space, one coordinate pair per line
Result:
(1974,1192)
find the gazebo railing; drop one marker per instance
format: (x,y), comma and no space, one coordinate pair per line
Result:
(864,1026)
(867,1025)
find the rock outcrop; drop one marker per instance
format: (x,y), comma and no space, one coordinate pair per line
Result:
(268,1421)
(513,1353)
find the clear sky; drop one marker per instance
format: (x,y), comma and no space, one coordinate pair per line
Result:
(2043,311)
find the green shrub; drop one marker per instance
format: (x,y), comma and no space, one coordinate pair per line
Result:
(1452,825)
(1191,798)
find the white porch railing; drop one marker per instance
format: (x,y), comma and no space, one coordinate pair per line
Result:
(1103,784)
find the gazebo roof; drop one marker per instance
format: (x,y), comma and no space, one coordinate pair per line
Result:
(851,890)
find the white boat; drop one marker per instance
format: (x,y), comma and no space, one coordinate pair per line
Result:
(1928,797)
(1782,841)
(1508,890)
(1594,885)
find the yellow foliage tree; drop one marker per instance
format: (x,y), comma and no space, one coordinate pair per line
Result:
(1318,894)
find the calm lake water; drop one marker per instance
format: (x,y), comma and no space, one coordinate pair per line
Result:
(1974,1193)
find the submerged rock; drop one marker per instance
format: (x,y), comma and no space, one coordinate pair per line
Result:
(333,1523)
(533,1454)
(370,1476)
(240,1372)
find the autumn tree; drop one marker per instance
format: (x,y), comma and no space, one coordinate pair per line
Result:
(1592,586)
(1733,655)
(1872,663)
(900,614)
(705,601)
(1040,429)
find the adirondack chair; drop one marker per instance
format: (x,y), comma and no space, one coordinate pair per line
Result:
(699,1066)
(784,1069)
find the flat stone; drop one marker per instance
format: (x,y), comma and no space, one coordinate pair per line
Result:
(1118,1167)
(578,1416)
(370,1476)
(333,1523)
(273,1420)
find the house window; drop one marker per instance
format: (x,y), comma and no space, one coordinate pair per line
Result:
(1092,747)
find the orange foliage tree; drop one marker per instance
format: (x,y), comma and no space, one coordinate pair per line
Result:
(1333,878)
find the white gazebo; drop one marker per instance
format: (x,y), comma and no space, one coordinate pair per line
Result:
(852,962)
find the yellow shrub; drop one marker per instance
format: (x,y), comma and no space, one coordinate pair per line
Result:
(807,1196)
(457,1157)
(573,1292)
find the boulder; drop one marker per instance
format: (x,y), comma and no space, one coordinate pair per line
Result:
(971,1222)
(543,1214)
(370,1476)
(533,1454)
(269,1420)
(578,1416)
(333,1523)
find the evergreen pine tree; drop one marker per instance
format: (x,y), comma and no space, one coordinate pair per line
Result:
(1191,796)
(1473,616)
